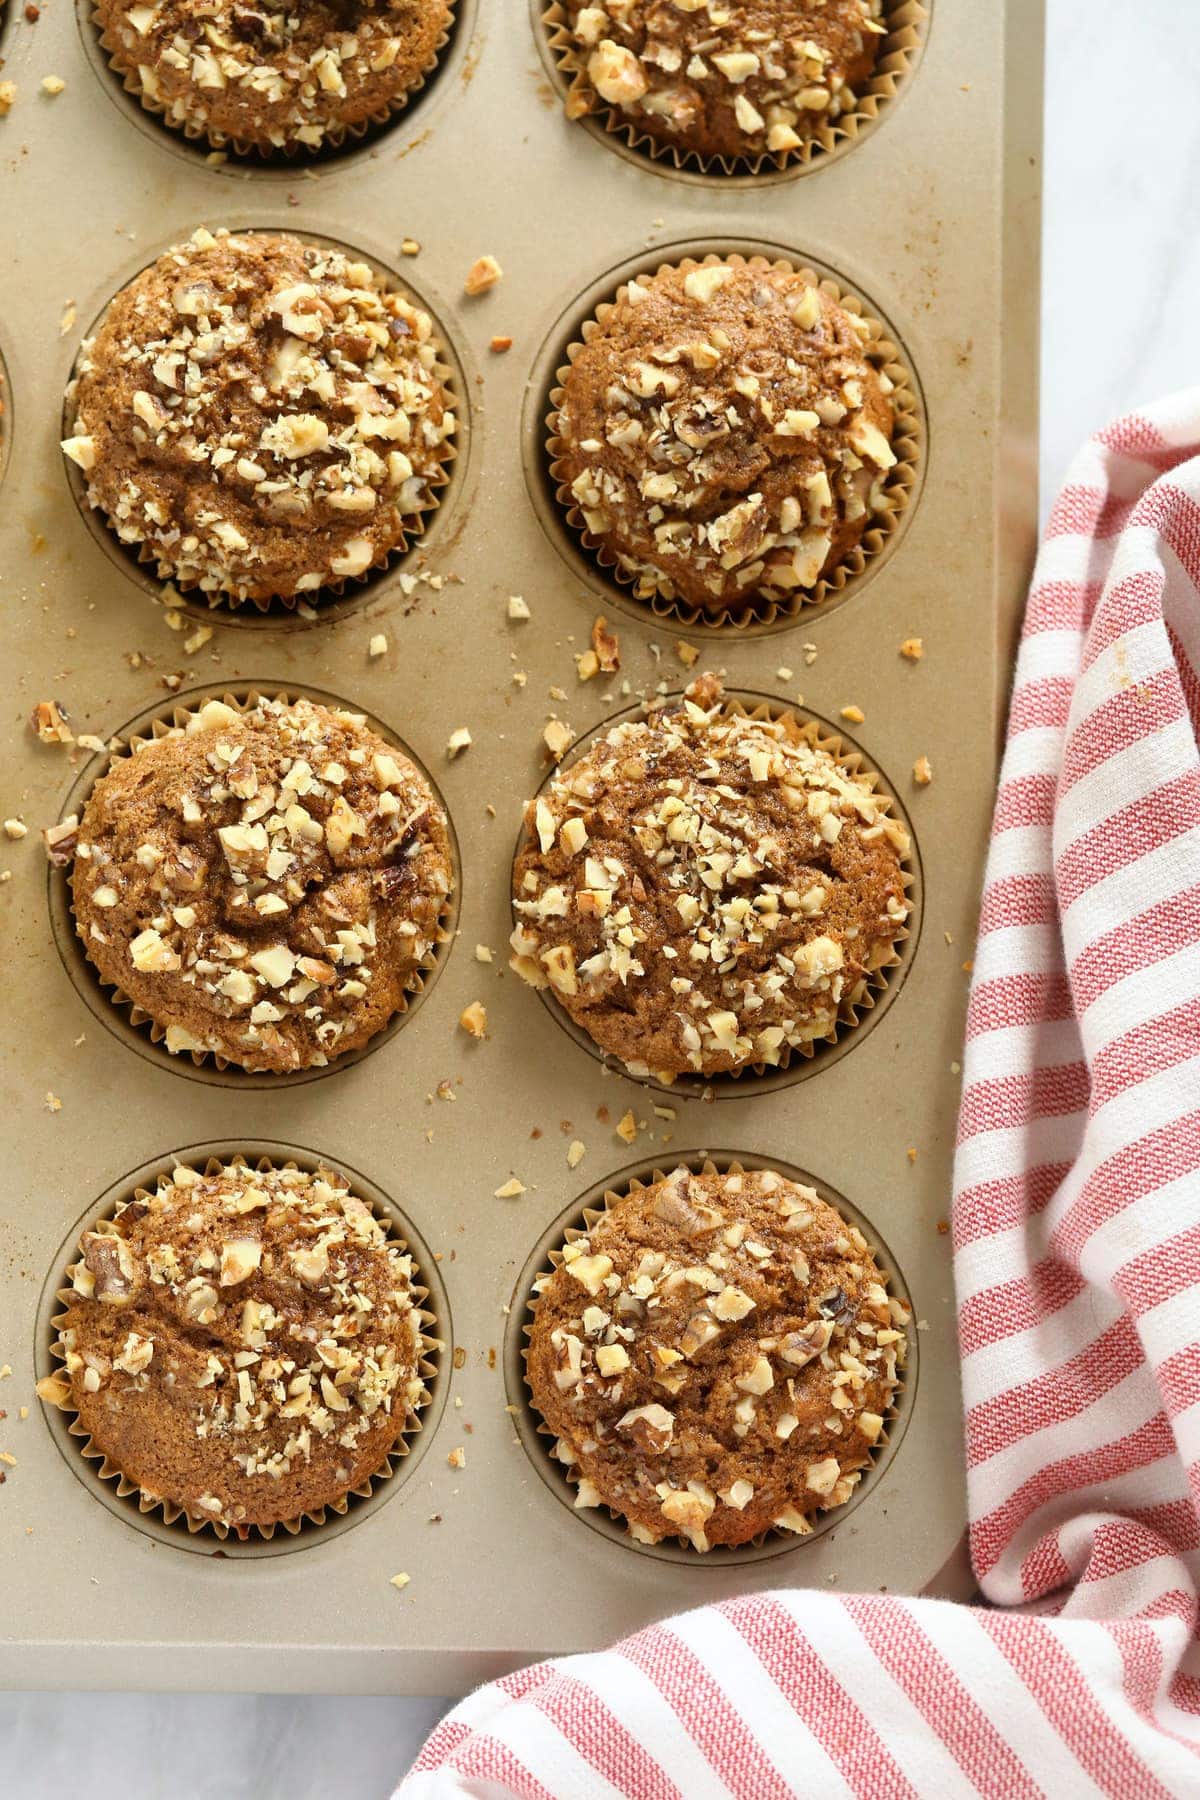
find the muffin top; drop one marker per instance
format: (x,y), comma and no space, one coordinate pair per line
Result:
(705,892)
(727,78)
(243,1344)
(271,73)
(264,884)
(261,415)
(717,1357)
(725,433)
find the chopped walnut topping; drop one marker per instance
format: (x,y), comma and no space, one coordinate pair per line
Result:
(724,434)
(266,1357)
(334,448)
(267,883)
(717,1357)
(705,891)
(271,73)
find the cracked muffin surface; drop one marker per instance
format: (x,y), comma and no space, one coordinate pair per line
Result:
(717,1357)
(273,74)
(261,417)
(266,885)
(705,892)
(726,78)
(243,1343)
(724,434)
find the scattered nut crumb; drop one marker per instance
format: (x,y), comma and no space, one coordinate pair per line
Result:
(484,953)
(922,771)
(400,1581)
(457,1458)
(53,85)
(784,674)
(557,738)
(68,318)
(853,714)
(913,649)
(49,720)
(911,1153)
(15,828)
(606,645)
(499,345)
(473,1019)
(378,645)
(59,840)
(410,247)
(53,1103)
(517,608)
(943,1227)
(626,1128)
(483,274)
(458,741)
(810,654)
(511,1190)
(687,653)
(576,1151)
(8,93)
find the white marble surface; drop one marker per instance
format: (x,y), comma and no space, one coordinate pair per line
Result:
(1121,280)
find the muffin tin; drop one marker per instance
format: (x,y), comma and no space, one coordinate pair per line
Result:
(933,213)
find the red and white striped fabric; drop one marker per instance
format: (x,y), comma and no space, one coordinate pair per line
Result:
(1077,1238)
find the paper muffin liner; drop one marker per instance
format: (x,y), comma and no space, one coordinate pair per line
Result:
(777,1537)
(907,23)
(899,483)
(244,700)
(310,603)
(429,1349)
(794,1061)
(336,139)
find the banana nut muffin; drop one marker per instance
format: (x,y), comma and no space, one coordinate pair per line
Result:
(727,78)
(725,433)
(274,74)
(243,1344)
(261,416)
(717,1357)
(266,884)
(704,892)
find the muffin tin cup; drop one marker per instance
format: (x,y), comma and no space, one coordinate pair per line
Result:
(899,52)
(901,486)
(332,597)
(106,999)
(538,1438)
(293,157)
(95,1468)
(858,1011)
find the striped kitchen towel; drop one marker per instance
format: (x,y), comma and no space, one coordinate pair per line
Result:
(1077,1259)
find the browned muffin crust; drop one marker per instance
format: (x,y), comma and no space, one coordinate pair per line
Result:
(261,416)
(725,433)
(727,78)
(717,1357)
(266,885)
(274,74)
(245,1344)
(705,892)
